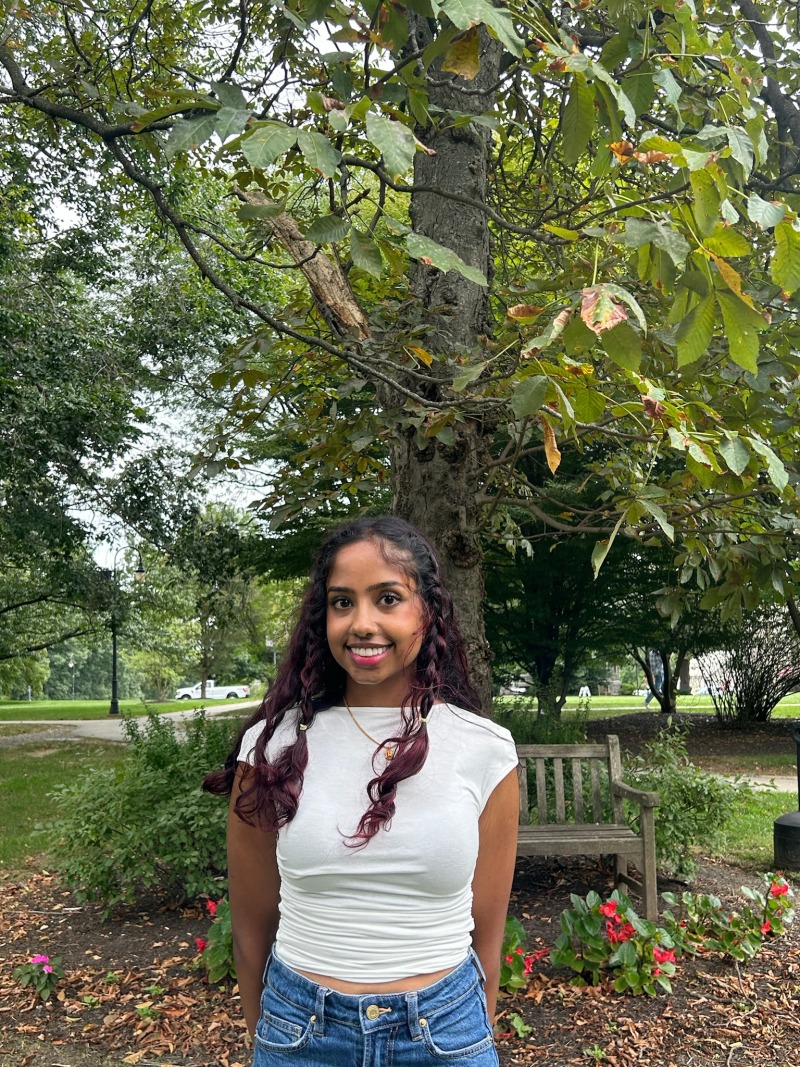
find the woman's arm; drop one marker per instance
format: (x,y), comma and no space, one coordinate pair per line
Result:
(253,890)
(491,886)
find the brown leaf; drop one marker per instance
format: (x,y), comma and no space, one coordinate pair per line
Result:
(550,446)
(463,55)
(652,157)
(654,408)
(330,103)
(623,150)
(600,310)
(523,311)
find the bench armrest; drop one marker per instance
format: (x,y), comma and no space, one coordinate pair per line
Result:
(642,797)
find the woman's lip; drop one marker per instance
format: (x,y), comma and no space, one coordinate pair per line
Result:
(366,660)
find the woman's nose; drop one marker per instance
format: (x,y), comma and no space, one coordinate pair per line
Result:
(362,621)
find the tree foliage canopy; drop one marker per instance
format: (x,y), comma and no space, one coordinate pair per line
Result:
(515,232)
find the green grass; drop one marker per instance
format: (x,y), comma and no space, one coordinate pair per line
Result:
(602,707)
(71,710)
(27,773)
(747,841)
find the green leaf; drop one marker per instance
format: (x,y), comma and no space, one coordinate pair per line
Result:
(695,332)
(735,452)
(189,133)
(785,266)
(443,258)
(528,396)
(394,141)
(775,468)
(671,87)
(230,96)
(266,143)
(259,211)
(639,232)
(578,122)
(619,293)
(726,241)
(741,147)
(230,122)
(319,152)
(467,376)
(589,404)
(466,13)
(706,201)
(639,88)
(661,518)
(623,345)
(327,230)
(602,548)
(763,213)
(741,330)
(365,253)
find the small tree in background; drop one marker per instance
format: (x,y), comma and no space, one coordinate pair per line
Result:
(758,668)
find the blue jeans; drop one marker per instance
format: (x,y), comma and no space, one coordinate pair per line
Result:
(313,1026)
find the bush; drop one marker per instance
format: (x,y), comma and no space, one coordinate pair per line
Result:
(528,727)
(695,806)
(147,826)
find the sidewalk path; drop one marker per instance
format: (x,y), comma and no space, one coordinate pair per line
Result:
(109,729)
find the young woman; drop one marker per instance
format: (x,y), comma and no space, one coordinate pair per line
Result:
(372,826)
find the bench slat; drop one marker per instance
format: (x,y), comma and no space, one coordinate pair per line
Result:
(578,837)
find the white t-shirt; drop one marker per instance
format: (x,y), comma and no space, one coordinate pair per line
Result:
(402,904)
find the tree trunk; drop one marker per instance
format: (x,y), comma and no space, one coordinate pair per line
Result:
(435,486)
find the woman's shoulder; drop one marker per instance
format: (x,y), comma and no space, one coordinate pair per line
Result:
(285,733)
(468,724)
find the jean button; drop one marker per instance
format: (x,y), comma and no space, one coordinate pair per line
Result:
(373,1012)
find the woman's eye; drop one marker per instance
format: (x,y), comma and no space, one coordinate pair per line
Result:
(340,602)
(390,598)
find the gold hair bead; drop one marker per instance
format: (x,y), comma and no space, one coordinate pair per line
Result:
(303,725)
(424,718)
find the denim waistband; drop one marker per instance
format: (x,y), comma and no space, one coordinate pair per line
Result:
(370,1012)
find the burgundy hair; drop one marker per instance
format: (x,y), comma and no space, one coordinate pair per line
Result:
(310,680)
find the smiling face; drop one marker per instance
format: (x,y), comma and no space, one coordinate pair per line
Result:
(375,624)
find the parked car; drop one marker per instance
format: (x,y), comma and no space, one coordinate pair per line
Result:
(213,691)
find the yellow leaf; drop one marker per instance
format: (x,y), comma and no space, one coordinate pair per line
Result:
(421,354)
(550,447)
(463,55)
(732,278)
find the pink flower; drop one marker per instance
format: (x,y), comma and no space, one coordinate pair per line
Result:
(520,951)
(201,945)
(40,959)
(663,955)
(211,907)
(47,969)
(765,927)
(656,972)
(778,890)
(608,909)
(509,959)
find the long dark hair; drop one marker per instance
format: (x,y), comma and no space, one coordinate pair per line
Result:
(310,680)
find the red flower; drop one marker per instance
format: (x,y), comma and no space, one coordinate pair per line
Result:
(211,907)
(608,909)
(520,951)
(624,933)
(656,972)
(201,945)
(509,959)
(777,889)
(663,955)
(766,927)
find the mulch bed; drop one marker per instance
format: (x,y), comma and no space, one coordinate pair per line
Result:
(133,995)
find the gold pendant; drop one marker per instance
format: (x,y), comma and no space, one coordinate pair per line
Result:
(389,753)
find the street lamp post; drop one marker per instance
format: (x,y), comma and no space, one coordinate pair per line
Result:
(139,574)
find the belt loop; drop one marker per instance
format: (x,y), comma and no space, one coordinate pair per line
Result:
(319,1010)
(412,1007)
(477,962)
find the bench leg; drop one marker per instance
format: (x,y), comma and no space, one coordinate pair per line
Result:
(649,874)
(621,871)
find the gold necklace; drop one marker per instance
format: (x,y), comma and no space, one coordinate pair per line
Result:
(388,752)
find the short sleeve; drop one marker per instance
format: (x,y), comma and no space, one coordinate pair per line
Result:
(246,753)
(501,759)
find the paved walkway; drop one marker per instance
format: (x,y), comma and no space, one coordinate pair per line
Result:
(109,729)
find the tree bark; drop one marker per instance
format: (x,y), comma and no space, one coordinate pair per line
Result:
(435,484)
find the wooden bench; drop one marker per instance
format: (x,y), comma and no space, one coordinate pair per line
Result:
(582,812)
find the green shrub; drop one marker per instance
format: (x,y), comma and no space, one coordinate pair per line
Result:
(216,954)
(147,826)
(695,806)
(528,727)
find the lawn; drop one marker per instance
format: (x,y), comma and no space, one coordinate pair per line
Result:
(67,710)
(27,773)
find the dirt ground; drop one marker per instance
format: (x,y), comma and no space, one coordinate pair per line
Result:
(133,994)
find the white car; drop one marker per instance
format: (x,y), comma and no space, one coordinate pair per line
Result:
(213,692)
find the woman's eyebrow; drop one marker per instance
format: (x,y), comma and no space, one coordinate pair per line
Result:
(370,588)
